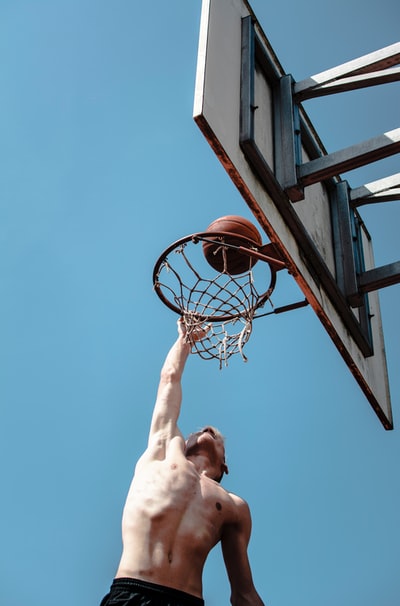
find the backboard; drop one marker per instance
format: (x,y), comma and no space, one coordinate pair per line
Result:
(244,107)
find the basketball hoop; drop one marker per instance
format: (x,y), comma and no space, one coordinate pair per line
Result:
(222,301)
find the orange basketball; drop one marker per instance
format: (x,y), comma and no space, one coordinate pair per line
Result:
(236,262)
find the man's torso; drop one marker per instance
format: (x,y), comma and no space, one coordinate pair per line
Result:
(172,518)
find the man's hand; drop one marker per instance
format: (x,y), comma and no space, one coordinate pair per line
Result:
(196,333)
(181,328)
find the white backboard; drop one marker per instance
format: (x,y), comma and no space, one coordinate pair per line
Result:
(304,231)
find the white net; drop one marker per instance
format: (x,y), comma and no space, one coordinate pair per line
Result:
(223,304)
(222,339)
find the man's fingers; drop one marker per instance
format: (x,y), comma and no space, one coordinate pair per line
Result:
(199,332)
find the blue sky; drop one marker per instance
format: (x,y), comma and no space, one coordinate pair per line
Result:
(102,167)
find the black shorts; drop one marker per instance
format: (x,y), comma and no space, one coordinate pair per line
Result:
(132,592)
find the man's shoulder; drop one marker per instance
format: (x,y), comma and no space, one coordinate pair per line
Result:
(237,505)
(239,502)
(161,444)
(237,513)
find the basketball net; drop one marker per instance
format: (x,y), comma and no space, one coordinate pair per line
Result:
(221,305)
(222,340)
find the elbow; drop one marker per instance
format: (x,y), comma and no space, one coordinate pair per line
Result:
(248,598)
(174,365)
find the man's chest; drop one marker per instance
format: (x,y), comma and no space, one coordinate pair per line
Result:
(174,487)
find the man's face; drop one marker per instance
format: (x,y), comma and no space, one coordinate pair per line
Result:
(209,437)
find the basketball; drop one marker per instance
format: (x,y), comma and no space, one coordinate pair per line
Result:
(236,262)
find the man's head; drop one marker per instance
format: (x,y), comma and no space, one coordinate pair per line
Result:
(210,440)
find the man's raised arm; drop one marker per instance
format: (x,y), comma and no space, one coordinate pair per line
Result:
(169,394)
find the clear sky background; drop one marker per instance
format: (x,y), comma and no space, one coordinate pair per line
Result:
(101,167)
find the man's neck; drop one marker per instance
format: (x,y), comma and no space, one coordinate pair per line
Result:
(202,465)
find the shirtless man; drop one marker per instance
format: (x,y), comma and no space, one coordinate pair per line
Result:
(176,510)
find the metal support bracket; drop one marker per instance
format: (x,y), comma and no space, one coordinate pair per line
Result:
(349,158)
(351,276)
(369,70)
(383,190)
(349,258)
(379,277)
(287,137)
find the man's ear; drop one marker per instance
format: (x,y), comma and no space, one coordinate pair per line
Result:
(224,468)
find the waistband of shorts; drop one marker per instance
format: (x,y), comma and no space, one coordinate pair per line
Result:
(182,596)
